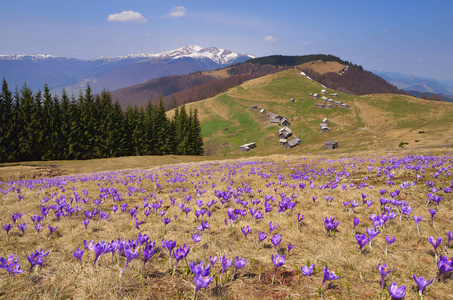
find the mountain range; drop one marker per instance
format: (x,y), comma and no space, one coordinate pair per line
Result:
(418,86)
(140,69)
(111,73)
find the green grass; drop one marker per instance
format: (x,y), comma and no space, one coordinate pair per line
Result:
(236,123)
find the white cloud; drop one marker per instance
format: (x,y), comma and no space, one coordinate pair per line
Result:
(127,16)
(270,38)
(177,11)
(420,60)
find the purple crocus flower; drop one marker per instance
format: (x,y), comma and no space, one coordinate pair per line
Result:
(22,228)
(137,223)
(16,216)
(225,263)
(238,263)
(78,253)
(202,278)
(417,220)
(187,210)
(7,228)
(261,236)
(432,212)
(11,265)
(384,272)
(368,204)
(36,259)
(278,261)
(354,204)
(179,254)
(330,224)
(397,292)
(444,265)
(148,252)
(300,218)
(169,245)
(196,238)
(290,246)
(203,225)
(130,252)
(435,243)
(272,226)
(389,240)
(450,238)
(51,230)
(306,271)
(213,260)
(372,233)
(245,231)
(422,283)
(362,240)
(345,204)
(355,222)
(99,249)
(275,240)
(114,208)
(328,275)
(85,223)
(166,222)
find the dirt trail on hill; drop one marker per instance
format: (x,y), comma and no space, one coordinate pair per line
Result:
(369,129)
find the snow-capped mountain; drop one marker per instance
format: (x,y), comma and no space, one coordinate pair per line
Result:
(218,55)
(111,72)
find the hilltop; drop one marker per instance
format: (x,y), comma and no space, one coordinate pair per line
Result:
(374,121)
(326,69)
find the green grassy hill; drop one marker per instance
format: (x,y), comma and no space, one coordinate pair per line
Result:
(373,121)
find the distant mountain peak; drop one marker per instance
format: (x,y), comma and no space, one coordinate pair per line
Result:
(218,55)
(26,56)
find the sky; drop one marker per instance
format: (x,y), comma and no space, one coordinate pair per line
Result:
(405,36)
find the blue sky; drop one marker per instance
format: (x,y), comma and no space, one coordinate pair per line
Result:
(405,36)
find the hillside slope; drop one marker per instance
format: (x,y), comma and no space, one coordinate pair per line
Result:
(179,89)
(372,121)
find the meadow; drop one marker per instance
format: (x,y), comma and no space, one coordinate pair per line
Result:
(375,121)
(273,227)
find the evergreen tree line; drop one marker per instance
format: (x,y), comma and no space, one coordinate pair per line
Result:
(291,60)
(39,126)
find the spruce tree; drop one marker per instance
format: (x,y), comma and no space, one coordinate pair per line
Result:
(8,133)
(28,119)
(195,137)
(75,133)
(87,124)
(64,130)
(162,131)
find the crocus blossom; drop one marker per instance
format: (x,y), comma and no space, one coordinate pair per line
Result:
(11,265)
(389,240)
(278,261)
(372,233)
(362,240)
(397,292)
(328,275)
(435,243)
(306,271)
(422,283)
(78,253)
(201,278)
(384,272)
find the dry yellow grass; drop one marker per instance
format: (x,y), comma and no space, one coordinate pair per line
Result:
(323,67)
(63,277)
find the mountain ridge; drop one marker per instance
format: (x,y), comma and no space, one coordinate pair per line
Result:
(218,55)
(111,73)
